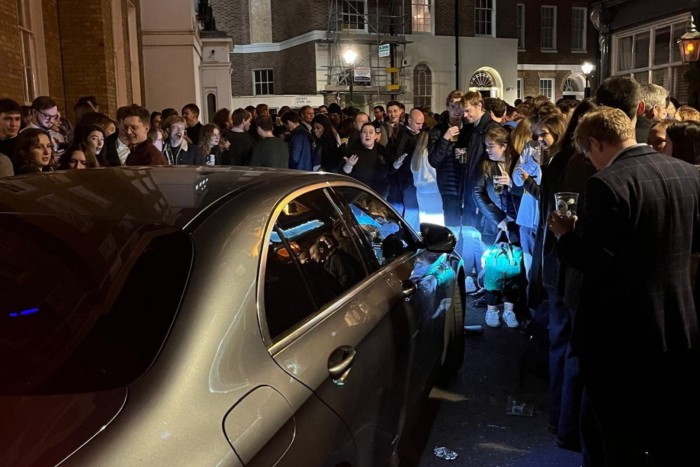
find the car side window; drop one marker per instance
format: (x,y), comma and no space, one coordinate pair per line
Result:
(310,262)
(383,231)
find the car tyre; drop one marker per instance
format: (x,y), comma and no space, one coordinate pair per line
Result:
(455,347)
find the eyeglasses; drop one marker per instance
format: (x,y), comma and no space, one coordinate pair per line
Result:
(51,118)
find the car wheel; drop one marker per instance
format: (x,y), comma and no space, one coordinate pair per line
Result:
(455,347)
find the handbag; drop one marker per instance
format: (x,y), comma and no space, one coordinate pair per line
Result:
(501,262)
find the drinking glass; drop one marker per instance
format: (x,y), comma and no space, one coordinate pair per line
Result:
(565,203)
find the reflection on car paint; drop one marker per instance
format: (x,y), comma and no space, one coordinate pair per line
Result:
(442,308)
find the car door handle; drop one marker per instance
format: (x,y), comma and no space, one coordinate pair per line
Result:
(408,288)
(340,363)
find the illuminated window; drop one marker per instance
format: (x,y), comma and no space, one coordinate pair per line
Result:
(354,15)
(420,9)
(649,53)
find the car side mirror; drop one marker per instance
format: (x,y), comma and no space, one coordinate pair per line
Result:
(437,238)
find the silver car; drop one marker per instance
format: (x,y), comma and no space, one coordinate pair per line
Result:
(229,316)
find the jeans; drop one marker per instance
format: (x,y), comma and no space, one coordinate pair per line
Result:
(403,198)
(527,243)
(430,206)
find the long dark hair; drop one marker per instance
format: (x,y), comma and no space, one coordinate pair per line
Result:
(567,142)
(556,124)
(327,143)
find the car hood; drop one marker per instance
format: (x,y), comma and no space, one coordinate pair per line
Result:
(44,430)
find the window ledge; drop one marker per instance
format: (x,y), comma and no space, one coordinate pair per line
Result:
(577,51)
(549,51)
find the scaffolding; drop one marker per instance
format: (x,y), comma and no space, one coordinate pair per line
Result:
(375,30)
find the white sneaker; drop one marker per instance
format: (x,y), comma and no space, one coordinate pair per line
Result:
(470,285)
(510,319)
(492,319)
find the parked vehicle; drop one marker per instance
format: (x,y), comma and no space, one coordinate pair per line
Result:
(216,316)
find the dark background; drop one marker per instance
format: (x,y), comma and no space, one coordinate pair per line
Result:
(468,416)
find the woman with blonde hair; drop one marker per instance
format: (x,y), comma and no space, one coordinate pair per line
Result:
(528,166)
(425,181)
(686,112)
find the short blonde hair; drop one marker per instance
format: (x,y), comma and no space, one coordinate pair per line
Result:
(473,98)
(686,113)
(605,124)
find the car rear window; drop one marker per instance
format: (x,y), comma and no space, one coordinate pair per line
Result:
(85,304)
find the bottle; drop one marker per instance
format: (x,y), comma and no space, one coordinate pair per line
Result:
(211,159)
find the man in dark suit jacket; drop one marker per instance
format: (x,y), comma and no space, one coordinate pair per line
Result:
(636,331)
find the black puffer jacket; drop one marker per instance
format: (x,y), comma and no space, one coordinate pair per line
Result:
(493,207)
(441,155)
(455,178)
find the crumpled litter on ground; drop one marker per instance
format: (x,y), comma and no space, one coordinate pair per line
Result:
(444,453)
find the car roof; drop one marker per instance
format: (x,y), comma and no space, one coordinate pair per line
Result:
(172,195)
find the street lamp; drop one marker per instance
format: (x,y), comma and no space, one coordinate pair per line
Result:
(587,68)
(689,44)
(350,56)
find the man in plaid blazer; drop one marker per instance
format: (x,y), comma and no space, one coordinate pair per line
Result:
(636,331)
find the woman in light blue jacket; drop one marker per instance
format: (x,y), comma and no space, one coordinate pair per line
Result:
(529,161)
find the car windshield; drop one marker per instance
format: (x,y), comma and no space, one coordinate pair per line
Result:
(85,304)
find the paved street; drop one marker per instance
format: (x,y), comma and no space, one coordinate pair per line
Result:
(469,416)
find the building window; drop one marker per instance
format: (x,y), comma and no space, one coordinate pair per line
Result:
(354,15)
(422,19)
(548,33)
(649,53)
(481,79)
(578,29)
(519,89)
(263,81)
(28,45)
(570,85)
(484,17)
(423,87)
(520,25)
(547,88)
(211,107)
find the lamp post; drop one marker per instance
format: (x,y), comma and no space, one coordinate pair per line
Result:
(689,44)
(587,68)
(350,56)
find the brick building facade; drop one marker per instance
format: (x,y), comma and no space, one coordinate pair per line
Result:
(555,38)
(300,44)
(71,48)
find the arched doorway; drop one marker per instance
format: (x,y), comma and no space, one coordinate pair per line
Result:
(573,87)
(487,81)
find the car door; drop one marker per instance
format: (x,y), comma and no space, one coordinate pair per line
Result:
(421,277)
(346,343)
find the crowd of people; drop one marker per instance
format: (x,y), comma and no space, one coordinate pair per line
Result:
(611,288)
